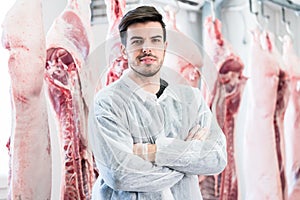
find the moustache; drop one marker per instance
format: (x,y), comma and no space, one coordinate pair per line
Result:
(146,55)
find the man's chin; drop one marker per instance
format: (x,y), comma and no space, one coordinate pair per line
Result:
(148,74)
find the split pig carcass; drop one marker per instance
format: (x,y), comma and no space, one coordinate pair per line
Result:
(182,66)
(116,62)
(29,146)
(262,173)
(224,102)
(68,46)
(292,120)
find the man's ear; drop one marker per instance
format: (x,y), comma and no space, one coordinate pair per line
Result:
(123,51)
(165,46)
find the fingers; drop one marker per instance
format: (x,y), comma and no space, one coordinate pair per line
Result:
(195,129)
(201,134)
(197,133)
(192,132)
(138,149)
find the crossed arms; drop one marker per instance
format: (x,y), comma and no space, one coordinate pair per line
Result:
(152,167)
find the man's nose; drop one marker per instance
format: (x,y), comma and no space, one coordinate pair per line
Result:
(146,48)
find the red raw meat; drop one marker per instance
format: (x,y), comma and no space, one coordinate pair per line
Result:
(281,105)
(29,148)
(225,102)
(68,45)
(117,64)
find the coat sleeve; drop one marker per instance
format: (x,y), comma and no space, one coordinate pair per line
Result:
(199,157)
(112,145)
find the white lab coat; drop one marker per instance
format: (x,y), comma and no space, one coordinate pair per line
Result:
(125,114)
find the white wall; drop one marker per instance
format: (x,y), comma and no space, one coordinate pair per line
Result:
(52,9)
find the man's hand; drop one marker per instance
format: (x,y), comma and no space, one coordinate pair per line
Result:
(197,133)
(145,150)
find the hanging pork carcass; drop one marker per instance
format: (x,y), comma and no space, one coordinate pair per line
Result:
(224,102)
(282,99)
(68,46)
(182,66)
(116,62)
(29,147)
(292,120)
(260,161)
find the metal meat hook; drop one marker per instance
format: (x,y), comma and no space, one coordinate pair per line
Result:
(287,23)
(212,8)
(255,13)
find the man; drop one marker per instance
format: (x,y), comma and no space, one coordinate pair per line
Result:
(151,139)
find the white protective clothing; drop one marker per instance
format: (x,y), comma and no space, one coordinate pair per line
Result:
(124,114)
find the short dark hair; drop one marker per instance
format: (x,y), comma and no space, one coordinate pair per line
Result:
(140,15)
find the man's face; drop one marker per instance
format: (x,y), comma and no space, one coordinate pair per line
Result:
(145,48)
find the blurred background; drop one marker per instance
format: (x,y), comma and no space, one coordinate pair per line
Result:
(238,17)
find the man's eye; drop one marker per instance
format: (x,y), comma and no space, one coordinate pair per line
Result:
(137,42)
(156,40)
